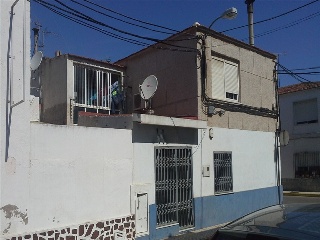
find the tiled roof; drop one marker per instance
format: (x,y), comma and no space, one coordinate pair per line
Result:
(298,87)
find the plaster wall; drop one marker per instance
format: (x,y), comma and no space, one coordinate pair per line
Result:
(253,167)
(286,111)
(14,109)
(253,163)
(176,73)
(74,174)
(256,86)
(302,138)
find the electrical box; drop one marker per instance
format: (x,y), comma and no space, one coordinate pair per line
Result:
(206,171)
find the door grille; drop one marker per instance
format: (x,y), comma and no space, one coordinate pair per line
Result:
(173,171)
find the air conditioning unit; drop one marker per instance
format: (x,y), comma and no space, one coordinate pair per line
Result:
(138,102)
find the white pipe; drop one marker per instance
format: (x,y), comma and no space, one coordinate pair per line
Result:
(12,105)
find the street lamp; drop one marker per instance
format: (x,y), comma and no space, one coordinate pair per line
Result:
(230,13)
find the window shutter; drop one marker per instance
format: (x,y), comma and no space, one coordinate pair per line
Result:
(218,79)
(305,112)
(231,78)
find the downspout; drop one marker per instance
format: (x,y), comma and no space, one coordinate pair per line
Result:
(12,104)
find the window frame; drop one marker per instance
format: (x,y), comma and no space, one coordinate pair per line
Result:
(214,82)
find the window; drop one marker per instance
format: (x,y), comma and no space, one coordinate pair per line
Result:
(305,112)
(223,181)
(225,80)
(94,87)
(307,164)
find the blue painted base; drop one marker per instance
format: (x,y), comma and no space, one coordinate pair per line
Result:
(213,210)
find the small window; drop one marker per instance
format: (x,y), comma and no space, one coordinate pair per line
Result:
(307,164)
(223,180)
(305,112)
(225,80)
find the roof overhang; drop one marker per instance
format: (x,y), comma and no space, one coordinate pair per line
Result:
(168,121)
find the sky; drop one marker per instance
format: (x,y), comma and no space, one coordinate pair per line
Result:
(293,37)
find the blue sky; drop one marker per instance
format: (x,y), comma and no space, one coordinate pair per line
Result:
(296,42)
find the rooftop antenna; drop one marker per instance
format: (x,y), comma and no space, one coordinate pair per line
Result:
(147,89)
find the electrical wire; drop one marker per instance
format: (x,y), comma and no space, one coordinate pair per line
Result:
(301,69)
(91,26)
(88,18)
(118,19)
(272,18)
(309,17)
(134,19)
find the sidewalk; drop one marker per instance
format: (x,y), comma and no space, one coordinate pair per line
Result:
(303,194)
(201,234)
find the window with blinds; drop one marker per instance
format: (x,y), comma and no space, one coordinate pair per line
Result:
(305,112)
(225,80)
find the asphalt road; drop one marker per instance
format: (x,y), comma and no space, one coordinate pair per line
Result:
(207,234)
(300,199)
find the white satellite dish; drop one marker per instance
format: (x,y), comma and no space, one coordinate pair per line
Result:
(36,60)
(148,87)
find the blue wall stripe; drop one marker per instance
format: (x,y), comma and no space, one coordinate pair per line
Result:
(213,210)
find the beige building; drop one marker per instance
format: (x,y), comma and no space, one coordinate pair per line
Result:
(201,72)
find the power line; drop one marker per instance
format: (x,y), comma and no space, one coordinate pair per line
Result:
(272,18)
(299,69)
(288,25)
(118,19)
(88,18)
(134,19)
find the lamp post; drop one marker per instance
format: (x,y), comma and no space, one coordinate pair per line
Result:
(230,13)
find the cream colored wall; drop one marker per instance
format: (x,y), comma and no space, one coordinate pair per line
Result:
(257,87)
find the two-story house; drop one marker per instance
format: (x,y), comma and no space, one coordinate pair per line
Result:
(90,169)
(299,115)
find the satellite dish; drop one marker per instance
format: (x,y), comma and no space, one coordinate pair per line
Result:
(148,88)
(36,60)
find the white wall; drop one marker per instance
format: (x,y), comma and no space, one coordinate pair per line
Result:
(286,111)
(252,158)
(14,110)
(253,163)
(304,137)
(76,174)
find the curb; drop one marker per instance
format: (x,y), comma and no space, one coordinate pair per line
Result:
(302,194)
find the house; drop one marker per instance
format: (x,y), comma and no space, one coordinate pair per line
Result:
(86,168)
(231,86)
(299,114)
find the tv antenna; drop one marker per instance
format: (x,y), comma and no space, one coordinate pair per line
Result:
(147,89)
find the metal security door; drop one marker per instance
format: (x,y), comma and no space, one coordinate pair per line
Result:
(173,171)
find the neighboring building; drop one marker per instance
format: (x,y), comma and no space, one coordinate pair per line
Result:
(70,84)
(299,115)
(90,169)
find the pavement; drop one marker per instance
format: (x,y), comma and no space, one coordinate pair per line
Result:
(201,234)
(302,194)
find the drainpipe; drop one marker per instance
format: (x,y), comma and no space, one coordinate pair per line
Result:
(250,20)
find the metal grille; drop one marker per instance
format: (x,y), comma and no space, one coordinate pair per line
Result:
(223,181)
(307,164)
(92,87)
(173,171)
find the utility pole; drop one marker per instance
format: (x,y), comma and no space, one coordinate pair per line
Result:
(250,20)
